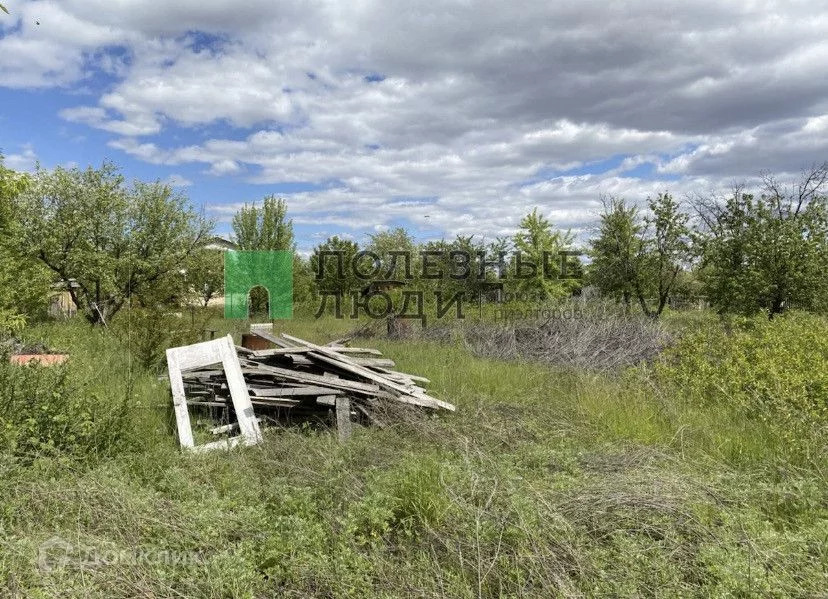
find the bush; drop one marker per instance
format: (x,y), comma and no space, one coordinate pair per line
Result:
(773,370)
(149,332)
(41,413)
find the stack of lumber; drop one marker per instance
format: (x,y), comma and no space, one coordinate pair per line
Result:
(299,378)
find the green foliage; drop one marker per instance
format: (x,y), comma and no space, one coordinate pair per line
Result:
(768,253)
(535,240)
(43,413)
(641,257)
(773,371)
(149,332)
(667,249)
(616,250)
(321,262)
(265,228)
(205,274)
(24,285)
(114,242)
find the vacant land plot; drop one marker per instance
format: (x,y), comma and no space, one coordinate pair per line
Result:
(547,481)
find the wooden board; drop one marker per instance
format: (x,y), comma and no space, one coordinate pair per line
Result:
(326,354)
(343,418)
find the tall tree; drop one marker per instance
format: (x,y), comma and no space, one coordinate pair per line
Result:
(205,274)
(616,250)
(768,252)
(664,251)
(383,244)
(111,241)
(265,227)
(326,274)
(24,285)
(539,243)
(641,257)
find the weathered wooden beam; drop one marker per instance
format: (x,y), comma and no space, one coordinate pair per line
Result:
(343,417)
(407,395)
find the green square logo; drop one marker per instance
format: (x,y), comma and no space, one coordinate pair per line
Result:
(271,269)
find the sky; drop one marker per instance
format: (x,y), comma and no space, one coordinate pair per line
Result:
(446,118)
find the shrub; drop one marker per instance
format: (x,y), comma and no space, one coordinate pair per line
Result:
(149,332)
(771,370)
(41,413)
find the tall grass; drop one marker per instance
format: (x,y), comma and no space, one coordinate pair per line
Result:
(546,482)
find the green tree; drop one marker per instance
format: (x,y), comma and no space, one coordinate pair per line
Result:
(538,243)
(665,249)
(383,244)
(767,252)
(616,251)
(641,257)
(205,274)
(114,242)
(265,227)
(24,284)
(332,281)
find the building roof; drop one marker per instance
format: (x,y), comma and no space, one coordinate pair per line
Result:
(220,243)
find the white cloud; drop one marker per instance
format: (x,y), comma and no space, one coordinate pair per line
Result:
(176,180)
(476,106)
(25,160)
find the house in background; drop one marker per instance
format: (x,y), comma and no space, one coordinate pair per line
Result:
(220,243)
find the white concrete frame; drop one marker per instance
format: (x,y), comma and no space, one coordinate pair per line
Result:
(204,354)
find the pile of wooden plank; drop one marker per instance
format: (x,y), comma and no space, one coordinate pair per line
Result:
(291,379)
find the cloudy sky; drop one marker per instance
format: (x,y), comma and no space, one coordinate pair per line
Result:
(445,118)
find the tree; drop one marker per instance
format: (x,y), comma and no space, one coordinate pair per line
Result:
(767,252)
(265,228)
(664,249)
(616,251)
(386,242)
(538,243)
(112,242)
(205,274)
(641,257)
(332,281)
(24,284)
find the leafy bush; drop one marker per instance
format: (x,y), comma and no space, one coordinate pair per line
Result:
(41,413)
(773,370)
(148,332)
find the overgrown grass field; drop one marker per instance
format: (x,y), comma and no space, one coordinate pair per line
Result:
(689,476)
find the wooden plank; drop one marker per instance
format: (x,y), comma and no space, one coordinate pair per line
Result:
(331,357)
(282,351)
(226,428)
(315,379)
(343,418)
(311,390)
(269,337)
(182,417)
(413,377)
(248,425)
(326,400)
(374,362)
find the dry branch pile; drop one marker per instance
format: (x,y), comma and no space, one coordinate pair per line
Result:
(294,378)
